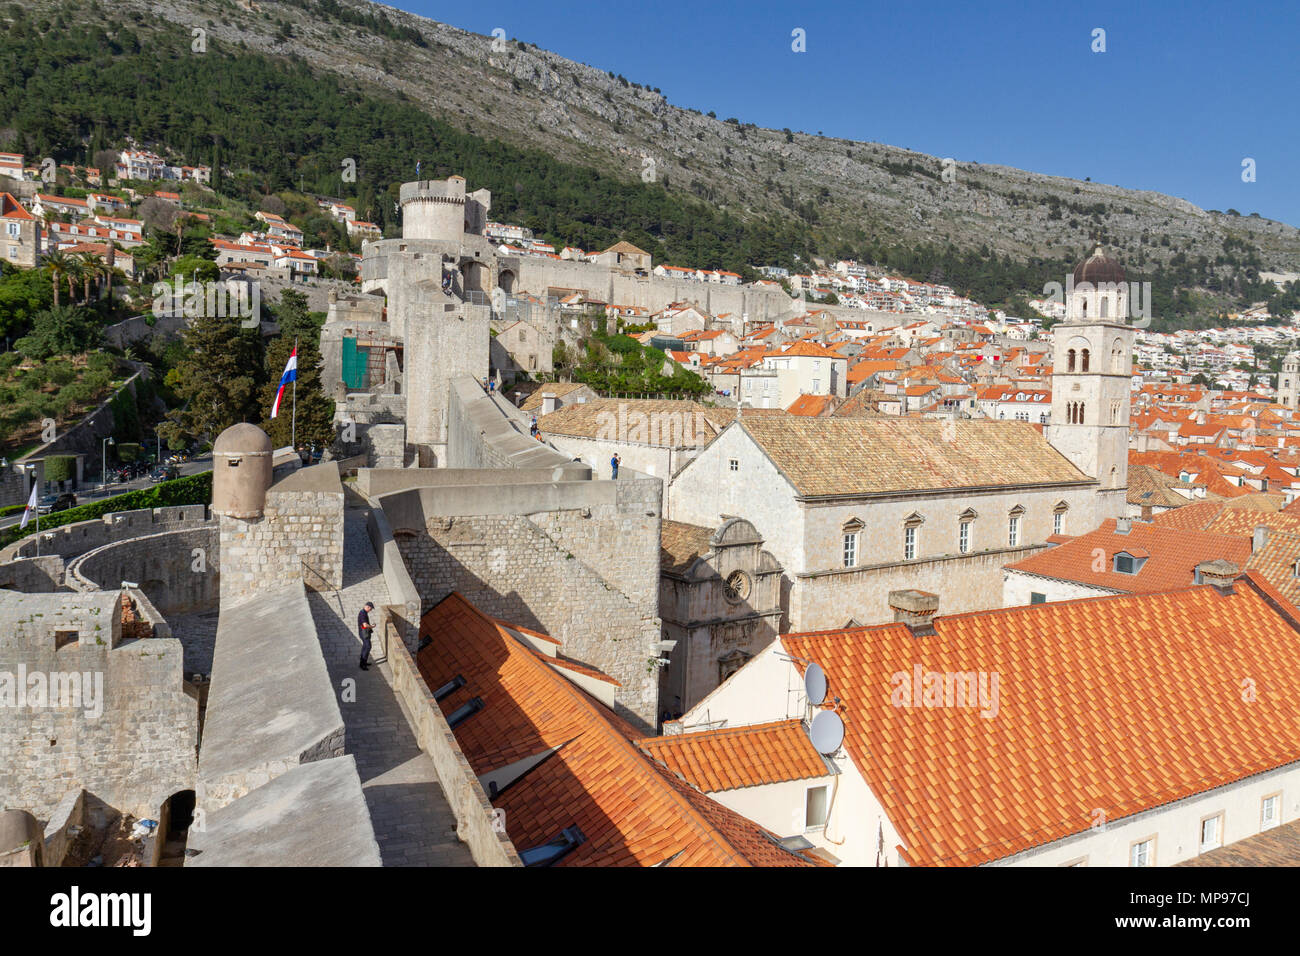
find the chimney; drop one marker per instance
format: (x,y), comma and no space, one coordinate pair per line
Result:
(548,403)
(1259,538)
(916,609)
(1143,440)
(1200,417)
(1123,525)
(1218,574)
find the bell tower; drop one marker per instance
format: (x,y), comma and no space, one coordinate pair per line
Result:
(1091,377)
(1288,381)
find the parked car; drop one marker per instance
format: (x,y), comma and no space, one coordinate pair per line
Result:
(164,473)
(51,504)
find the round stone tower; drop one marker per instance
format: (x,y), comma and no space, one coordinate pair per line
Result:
(434,209)
(241,472)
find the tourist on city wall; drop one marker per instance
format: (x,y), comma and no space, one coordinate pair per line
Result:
(533,429)
(614,463)
(446,283)
(364,627)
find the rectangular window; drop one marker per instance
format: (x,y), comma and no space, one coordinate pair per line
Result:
(815,808)
(1142,853)
(1212,832)
(851,549)
(1056,522)
(1013,531)
(13,228)
(909,544)
(734,464)
(1036,598)
(1269,808)
(963,537)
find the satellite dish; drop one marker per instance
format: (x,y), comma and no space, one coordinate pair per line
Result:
(827,732)
(814,684)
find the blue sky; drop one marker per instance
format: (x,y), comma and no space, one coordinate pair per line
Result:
(1183,93)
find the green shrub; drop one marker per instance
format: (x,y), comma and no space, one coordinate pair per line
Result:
(191,490)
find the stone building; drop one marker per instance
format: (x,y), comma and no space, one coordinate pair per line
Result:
(20,234)
(854,508)
(720,602)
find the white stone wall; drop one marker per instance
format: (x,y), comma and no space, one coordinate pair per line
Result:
(1018,589)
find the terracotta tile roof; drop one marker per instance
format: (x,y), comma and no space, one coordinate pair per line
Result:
(630,809)
(1119,704)
(558,389)
(731,758)
(1150,486)
(1235,516)
(810,405)
(1277,562)
(810,350)
(627,248)
(851,455)
(1172,556)
(661,422)
(11,208)
(680,544)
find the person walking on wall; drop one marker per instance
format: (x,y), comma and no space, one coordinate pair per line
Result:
(365,629)
(613,465)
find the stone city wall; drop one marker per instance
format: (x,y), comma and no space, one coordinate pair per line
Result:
(33,575)
(474,815)
(137,751)
(178,570)
(298,538)
(70,540)
(506,566)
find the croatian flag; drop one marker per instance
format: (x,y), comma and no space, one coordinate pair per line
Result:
(290,375)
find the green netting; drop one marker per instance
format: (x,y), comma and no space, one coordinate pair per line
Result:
(354,364)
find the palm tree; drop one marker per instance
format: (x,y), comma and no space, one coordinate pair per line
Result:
(56,263)
(72,272)
(91,270)
(111,266)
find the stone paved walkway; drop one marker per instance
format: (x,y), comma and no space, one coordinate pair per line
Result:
(412,821)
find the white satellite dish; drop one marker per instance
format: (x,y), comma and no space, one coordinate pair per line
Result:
(814,684)
(827,732)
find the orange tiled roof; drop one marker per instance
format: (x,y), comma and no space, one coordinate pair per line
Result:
(1119,704)
(1172,556)
(736,757)
(810,405)
(630,809)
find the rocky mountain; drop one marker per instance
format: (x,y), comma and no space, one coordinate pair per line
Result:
(852,193)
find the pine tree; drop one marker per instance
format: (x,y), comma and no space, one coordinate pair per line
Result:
(217,380)
(315,416)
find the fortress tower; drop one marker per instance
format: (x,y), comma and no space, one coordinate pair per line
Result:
(1091,375)
(438,210)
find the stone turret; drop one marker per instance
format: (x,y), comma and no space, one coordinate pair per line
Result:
(241,472)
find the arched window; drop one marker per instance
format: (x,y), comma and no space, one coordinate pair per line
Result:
(1105,307)
(1084,360)
(1117,356)
(1084,303)
(1069,361)
(1081,412)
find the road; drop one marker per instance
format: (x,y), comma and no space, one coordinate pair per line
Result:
(93,493)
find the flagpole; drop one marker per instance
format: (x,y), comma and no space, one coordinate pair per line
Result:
(293,426)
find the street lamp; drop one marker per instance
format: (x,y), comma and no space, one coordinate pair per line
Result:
(103,460)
